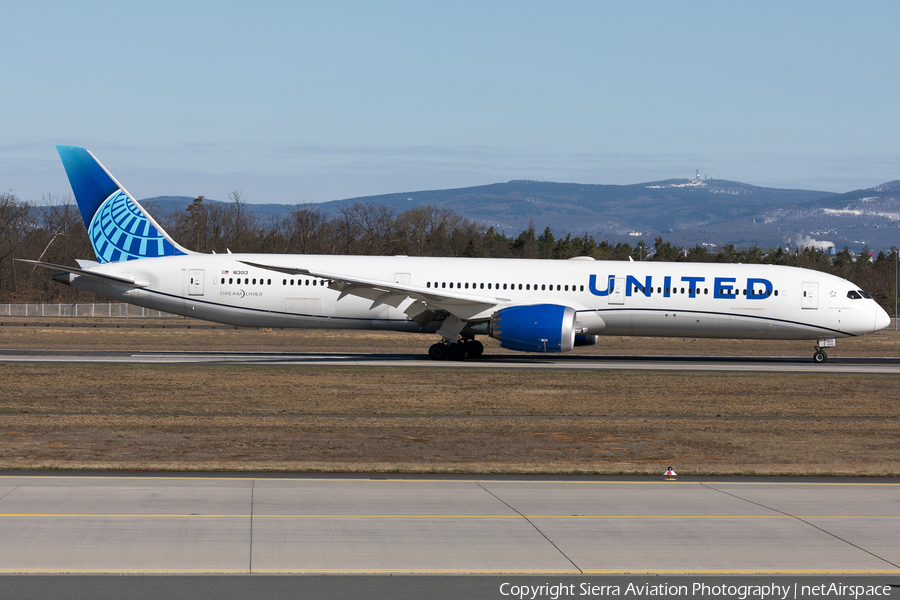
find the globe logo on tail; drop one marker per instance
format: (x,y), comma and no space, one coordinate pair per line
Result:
(121,231)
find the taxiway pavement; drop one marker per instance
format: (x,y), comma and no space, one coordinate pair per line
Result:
(64,523)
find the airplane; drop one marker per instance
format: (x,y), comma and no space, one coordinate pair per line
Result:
(528,305)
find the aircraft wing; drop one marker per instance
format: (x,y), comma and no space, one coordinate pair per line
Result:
(379,291)
(87,273)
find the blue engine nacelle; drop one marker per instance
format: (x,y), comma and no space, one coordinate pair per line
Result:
(535,328)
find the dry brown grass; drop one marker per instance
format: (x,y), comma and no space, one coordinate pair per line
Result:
(394,419)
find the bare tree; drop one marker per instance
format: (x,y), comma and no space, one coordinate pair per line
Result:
(14,214)
(305,229)
(372,225)
(239,234)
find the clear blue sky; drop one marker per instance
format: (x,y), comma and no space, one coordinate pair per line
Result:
(311,101)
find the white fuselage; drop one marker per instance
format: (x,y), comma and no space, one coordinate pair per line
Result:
(611,298)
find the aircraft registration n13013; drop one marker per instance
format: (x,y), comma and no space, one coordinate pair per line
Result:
(528,305)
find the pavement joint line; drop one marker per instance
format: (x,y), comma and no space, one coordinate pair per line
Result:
(9,492)
(808,523)
(536,528)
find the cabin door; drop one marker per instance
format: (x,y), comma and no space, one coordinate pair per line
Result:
(195,282)
(809,297)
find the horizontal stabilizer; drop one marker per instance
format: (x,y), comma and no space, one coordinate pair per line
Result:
(86,273)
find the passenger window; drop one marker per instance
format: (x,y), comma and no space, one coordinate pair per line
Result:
(504,286)
(544,287)
(489,286)
(444,285)
(268,282)
(481,286)
(520,286)
(567,288)
(467,285)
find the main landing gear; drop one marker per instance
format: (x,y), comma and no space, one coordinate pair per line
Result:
(461,350)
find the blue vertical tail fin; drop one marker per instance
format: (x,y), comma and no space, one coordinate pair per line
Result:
(119,228)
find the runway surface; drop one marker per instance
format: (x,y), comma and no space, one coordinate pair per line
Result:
(356,524)
(776,364)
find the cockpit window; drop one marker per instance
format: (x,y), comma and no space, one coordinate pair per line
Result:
(864,295)
(853,295)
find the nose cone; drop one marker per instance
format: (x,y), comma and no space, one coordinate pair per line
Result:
(882,319)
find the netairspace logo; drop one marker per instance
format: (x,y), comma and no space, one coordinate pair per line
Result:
(699,590)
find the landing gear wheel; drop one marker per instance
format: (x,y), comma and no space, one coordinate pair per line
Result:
(475,348)
(438,352)
(457,352)
(820,356)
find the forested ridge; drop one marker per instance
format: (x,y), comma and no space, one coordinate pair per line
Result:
(53,231)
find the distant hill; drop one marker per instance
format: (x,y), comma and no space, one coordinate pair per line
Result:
(659,206)
(682,211)
(166,204)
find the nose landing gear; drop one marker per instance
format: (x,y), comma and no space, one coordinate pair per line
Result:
(819,355)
